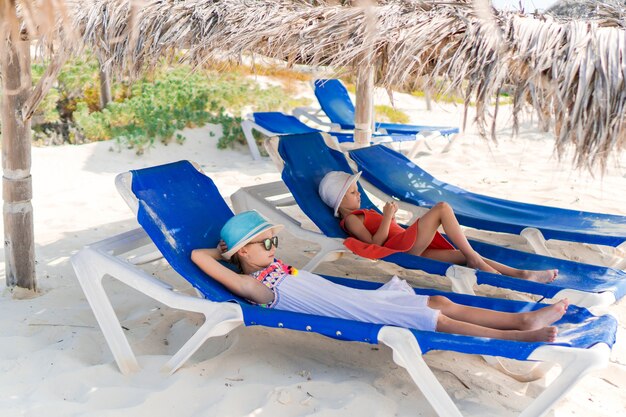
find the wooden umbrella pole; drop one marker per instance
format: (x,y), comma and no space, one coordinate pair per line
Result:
(19,241)
(364,109)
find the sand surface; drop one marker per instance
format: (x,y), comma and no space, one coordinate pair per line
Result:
(54,360)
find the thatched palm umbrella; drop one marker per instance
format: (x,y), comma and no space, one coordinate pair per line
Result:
(571,72)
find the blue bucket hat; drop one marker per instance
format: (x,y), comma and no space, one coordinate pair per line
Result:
(242,228)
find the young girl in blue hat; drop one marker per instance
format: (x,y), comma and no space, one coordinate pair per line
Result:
(250,242)
(375,236)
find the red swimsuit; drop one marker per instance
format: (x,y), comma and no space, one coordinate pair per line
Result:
(399,239)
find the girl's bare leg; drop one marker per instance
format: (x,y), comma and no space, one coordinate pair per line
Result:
(531,320)
(547,275)
(457,257)
(449,325)
(442,214)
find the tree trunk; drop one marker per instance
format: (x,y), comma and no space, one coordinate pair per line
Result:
(19,241)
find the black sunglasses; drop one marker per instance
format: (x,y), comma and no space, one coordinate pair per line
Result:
(267,243)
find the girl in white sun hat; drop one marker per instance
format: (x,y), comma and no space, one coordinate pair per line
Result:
(375,236)
(251,241)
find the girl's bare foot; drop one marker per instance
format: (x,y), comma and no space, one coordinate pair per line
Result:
(543,334)
(544,317)
(547,275)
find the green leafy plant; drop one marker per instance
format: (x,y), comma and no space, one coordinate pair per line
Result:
(156,106)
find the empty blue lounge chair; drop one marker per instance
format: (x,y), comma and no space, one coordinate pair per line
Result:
(396,175)
(307,158)
(277,123)
(337,105)
(161,194)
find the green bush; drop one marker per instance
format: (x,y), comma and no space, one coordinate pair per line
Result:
(156,106)
(154,111)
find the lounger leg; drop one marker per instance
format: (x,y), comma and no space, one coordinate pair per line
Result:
(419,140)
(535,239)
(91,282)
(247,132)
(451,140)
(407,353)
(575,364)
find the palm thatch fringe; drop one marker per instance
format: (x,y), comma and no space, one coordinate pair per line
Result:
(572,72)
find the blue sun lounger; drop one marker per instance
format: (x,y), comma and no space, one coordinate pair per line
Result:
(160,194)
(305,159)
(398,176)
(335,101)
(277,123)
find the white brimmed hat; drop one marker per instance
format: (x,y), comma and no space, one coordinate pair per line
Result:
(242,228)
(334,186)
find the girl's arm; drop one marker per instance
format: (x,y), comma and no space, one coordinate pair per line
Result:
(357,229)
(242,285)
(355,226)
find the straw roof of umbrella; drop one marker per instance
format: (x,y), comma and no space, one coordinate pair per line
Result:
(572,72)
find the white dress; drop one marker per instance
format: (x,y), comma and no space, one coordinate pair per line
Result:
(395,303)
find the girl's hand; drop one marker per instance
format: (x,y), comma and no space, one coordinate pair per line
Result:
(390,209)
(221,247)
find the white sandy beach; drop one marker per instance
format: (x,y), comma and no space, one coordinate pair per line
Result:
(54,360)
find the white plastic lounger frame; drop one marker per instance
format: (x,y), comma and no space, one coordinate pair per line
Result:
(107,258)
(575,364)
(102,259)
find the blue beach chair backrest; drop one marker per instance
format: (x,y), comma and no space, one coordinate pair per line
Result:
(396,175)
(335,101)
(181,210)
(306,160)
(281,123)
